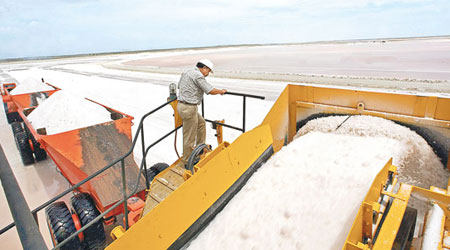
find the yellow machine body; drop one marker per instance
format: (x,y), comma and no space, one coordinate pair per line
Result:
(370,213)
(177,211)
(166,222)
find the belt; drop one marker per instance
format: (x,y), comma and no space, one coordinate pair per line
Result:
(187,103)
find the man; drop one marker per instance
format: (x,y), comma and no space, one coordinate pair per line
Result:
(192,86)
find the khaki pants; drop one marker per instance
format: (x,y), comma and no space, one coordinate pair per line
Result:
(194,131)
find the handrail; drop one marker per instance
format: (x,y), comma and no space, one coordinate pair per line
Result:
(27,227)
(143,166)
(243,108)
(245,95)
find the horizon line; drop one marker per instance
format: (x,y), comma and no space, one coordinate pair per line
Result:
(38,58)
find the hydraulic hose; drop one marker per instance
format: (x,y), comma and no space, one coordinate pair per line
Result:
(193,158)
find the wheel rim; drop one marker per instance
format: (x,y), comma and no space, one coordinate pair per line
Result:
(52,235)
(78,226)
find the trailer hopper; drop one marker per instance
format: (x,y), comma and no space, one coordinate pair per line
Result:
(81,152)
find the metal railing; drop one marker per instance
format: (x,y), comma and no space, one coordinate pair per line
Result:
(244,108)
(142,169)
(27,229)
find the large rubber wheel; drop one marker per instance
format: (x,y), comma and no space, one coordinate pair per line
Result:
(13,117)
(154,170)
(94,236)
(16,127)
(405,233)
(159,167)
(23,144)
(39,153)
(61,225)
(5,106)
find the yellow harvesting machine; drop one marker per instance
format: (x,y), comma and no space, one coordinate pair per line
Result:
(180,202)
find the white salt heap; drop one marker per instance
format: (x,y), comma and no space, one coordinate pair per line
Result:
(64,111)
(30,85)
(308,194)
(417,165)
(432,233)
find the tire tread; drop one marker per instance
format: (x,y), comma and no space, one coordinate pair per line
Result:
(60,220)
(94,236)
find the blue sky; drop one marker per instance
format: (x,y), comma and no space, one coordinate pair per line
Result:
(30,28)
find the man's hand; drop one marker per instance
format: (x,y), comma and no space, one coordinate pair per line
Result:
(217,91)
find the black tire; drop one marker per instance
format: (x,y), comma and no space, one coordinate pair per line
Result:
(154,170)
(27,130)
(23,144)
(39,153)
(94,236)
(16,127)
(61,225)
(159,167)
(405,233)
(150,175)
(13,117)
(5,106)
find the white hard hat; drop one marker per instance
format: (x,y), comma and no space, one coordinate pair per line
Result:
(208,64)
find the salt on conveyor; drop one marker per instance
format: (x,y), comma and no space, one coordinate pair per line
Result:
(64,111)
(423,170)
(30,85)
(432,236)
(307,195)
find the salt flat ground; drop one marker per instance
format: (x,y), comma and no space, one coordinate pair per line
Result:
(135,83)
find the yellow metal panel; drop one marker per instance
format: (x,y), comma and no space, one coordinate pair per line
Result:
(278,120)
(285,112)
(117,232)
(356,233)
(294,94)
(418,121)
(359,246)
(431,107)
(443,109)
(443,200)
(177,118)
(367,215)
(172,217)
(391,224)
(404,104)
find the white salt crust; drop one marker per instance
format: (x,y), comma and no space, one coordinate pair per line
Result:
(30,85)
(64,111)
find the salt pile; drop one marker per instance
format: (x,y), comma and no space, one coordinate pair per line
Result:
(432,236)
(418,164)
(307,195)
(30,85)
(64,111)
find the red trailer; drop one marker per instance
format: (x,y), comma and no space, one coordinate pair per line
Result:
(12,102)
(78,154)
